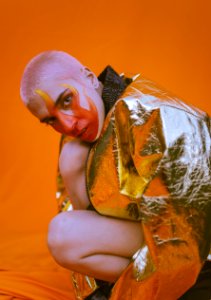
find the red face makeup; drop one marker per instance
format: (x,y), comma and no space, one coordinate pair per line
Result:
(68,117)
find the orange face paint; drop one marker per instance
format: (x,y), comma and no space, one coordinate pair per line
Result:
(68,117)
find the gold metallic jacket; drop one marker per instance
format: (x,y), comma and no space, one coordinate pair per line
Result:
(152,164)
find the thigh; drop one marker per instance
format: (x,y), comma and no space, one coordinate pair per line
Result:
(92,233)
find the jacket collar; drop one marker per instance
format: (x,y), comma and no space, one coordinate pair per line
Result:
(113,86)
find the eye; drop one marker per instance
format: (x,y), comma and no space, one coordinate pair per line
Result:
(66,102)
(50,121)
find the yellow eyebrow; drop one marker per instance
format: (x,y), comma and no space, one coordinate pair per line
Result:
(69,87)
(48,101)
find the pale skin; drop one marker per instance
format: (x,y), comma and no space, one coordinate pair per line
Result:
(81,240)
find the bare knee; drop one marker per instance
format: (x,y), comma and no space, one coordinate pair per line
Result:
(62,239)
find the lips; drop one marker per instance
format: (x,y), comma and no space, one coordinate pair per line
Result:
(82,132)
(77,131)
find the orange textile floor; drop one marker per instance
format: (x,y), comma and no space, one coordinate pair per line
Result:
(28,271)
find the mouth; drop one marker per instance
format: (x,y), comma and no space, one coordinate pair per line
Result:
(82,132)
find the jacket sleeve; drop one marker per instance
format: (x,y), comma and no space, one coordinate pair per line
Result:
(169,144)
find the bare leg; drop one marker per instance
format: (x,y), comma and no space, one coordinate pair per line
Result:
(89,243)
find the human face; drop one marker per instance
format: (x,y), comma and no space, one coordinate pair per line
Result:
(71,112)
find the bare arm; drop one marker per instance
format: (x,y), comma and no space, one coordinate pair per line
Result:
(72,163)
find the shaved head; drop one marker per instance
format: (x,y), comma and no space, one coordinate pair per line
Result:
(55,64)
(61,92)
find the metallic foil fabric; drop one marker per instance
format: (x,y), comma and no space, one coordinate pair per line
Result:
(152,164)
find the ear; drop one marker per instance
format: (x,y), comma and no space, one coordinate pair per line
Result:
(90,77)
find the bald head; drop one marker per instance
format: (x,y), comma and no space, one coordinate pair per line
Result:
(49,64)
(60,91)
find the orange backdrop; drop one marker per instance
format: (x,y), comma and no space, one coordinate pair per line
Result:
(167,41)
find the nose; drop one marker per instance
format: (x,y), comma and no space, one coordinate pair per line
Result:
(68,123)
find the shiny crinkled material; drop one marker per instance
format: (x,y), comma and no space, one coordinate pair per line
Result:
(152,164)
